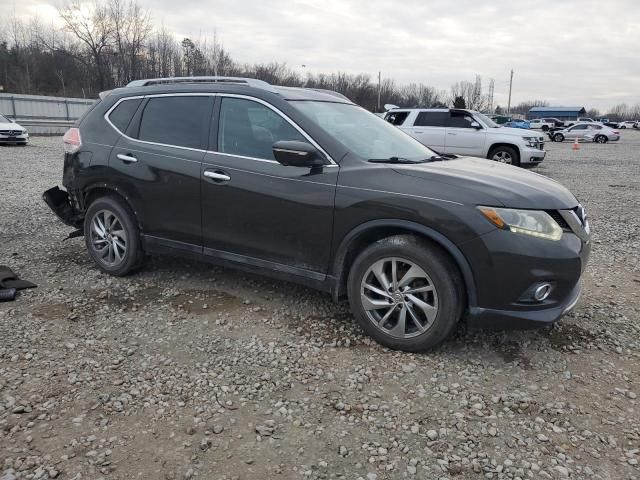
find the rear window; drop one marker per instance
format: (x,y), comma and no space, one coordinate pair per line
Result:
(180,121)
(122,114)
(431,119)
(396,118)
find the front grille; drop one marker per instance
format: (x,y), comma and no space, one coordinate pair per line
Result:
(559,220)
(10,132)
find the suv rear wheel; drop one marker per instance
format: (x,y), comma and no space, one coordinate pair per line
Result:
(504,154)
(405,293)
(112,236)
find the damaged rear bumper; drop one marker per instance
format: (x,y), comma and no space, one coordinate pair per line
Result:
(60,202)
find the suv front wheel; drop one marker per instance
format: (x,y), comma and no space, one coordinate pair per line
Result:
(405,293)
(112,236)
(504,154)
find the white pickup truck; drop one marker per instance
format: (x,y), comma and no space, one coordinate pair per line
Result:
(469,133)
(542,124)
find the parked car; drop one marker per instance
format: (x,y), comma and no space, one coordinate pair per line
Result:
(628,124)
(586,119)
(12,133)
(518,123)
(466,132)
(541,123)
(555,121)
(306,186)
(595,132)
(500,119)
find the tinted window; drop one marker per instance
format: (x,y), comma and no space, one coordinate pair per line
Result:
(396,118)
(250,129)
(432,119)
(579,127)
(460,121)
(180,121)
(121,115)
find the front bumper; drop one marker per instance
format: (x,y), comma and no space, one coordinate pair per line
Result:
(14,139)
(531,156)
(492,319)
(506,266)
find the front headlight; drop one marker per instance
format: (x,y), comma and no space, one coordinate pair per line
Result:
(529,222)
(531,141)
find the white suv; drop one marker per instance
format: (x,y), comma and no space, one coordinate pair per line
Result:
(469,133)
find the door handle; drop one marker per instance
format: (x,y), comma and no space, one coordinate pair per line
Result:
(126,158)
(418,131)
(450,133)
(217,176)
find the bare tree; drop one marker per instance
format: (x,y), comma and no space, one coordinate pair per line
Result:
(93,26)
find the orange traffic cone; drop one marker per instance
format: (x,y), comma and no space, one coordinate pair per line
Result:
(576,145)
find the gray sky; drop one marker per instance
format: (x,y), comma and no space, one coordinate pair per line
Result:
(569,52)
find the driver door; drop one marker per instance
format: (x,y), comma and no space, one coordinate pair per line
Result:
(256,211)
(462,138)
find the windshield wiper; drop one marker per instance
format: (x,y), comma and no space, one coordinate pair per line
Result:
(394,160)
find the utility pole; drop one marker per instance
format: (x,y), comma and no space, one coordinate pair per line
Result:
(510,86)
(379,87)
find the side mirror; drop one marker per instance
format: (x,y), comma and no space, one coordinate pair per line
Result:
(476,125)
(293,153)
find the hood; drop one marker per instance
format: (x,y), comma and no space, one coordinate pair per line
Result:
(520,132)
(494,184)
(10,126)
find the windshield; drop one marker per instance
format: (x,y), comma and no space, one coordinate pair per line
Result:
(362,132)
(4,119)
(487,121)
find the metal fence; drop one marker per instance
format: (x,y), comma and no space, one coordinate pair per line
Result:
(43,115)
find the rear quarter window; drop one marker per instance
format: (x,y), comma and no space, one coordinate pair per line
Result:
(396,118)
(123,113)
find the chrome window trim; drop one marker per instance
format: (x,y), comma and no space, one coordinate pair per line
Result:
(206,94)
(262,174)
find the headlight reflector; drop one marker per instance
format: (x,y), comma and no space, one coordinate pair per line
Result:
(535,223)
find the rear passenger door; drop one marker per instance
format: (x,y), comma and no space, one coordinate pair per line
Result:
(462,138)
(156,164)
(429,128)
(577,131)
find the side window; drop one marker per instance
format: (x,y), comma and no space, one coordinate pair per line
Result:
(179,120)
(431,119)
(396,118)
(460,121)
(579,127)
(250,129)
(122,114)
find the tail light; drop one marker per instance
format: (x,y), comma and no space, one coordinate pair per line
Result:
(72,140)
(616,132)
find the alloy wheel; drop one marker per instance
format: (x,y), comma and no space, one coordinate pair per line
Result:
(502,157)
(108,238)
(399,298)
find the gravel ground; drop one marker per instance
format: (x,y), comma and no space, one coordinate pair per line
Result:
(191,371)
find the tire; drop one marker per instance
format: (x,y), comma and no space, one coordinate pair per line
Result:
(504,154)
(545,128)
(558,137)
(601,139)
(436,311)
(122,252)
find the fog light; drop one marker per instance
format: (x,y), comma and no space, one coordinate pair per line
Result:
(542,291)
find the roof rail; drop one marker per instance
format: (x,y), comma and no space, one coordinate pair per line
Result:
(251,82)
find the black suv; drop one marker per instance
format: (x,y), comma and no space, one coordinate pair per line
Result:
(303,185)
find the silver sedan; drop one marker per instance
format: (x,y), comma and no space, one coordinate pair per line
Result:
(591,132)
